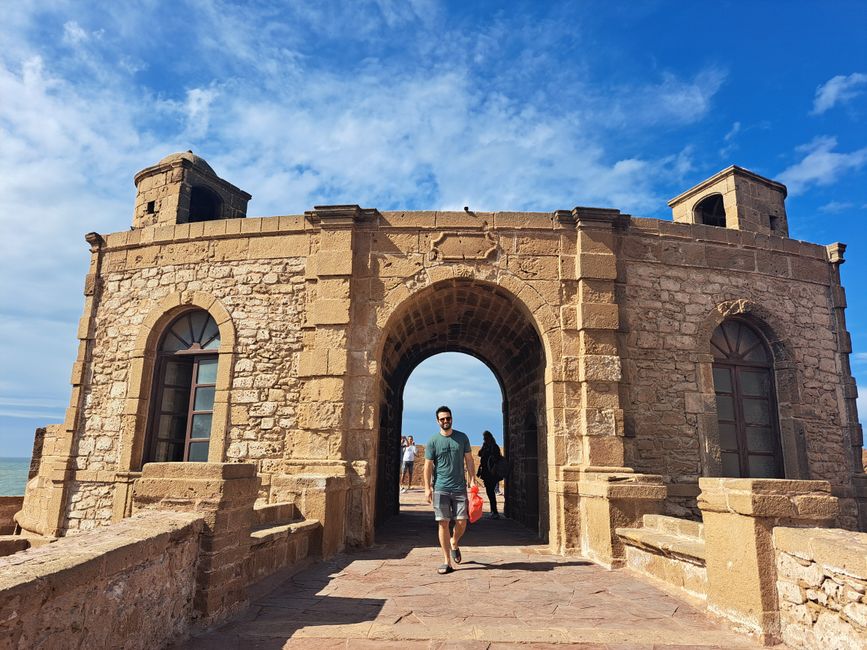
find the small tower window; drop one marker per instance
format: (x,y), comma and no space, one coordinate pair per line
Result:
(151,207)
(204,205)
(710,211)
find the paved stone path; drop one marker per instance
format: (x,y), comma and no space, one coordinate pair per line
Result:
(507,593)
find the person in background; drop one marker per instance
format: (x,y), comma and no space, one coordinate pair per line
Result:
(489,454)
(409,454)
(400,458)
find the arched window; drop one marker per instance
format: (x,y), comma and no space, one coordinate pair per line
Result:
(204,205)
(746,403)
(186,380)
(710,211)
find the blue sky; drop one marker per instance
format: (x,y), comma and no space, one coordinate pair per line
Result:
(414,105)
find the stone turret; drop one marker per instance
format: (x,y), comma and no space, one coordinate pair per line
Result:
(182,188)
(735,198)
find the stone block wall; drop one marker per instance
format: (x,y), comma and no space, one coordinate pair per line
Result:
(130,585)
(821,584)
(677,282)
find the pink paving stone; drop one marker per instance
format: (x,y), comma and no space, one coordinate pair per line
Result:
(508,593)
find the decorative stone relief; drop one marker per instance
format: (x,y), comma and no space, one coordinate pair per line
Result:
(453,246)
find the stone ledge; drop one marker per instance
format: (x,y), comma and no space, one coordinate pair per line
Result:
(273,533)
(778,498)
(841,550)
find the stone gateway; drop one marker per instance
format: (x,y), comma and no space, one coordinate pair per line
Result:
(635,356)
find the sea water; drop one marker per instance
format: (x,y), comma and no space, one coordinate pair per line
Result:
(13,476)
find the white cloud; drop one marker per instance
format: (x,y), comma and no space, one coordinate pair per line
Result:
(198,111)
(834,207)
(838,90)
(73,33)
(821,165)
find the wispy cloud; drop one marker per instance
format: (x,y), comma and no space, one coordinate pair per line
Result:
(838,90)
(821,165)
(835,207)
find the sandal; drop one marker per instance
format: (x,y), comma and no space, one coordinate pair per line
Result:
(444,569)
(456,555)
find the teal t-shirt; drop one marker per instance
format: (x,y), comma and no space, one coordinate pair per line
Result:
(447,454)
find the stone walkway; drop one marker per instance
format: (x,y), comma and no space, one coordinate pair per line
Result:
(507,593)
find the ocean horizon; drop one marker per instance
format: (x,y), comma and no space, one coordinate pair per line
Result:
(13,476)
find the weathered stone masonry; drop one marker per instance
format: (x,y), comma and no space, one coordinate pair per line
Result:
(596,324)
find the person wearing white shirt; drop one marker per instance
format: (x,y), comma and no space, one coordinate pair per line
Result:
(409,454)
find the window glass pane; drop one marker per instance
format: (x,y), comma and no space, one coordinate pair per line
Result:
(758,355)
(169,452)
(719,345)
(201,425)
(763,467)
(181,330)
(728,436)
(173,427)
(722,380)
(198,452)
(757,411)
(725,407)
(204,398)
(207,371)
(198,320)
(172,343)
(730,466)
(755,384)
(760,439)
(746,340)
(179,373)
(211,336)
(175,400)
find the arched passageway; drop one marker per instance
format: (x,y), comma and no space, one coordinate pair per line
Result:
(488,322)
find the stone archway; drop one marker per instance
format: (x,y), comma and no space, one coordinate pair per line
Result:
(488,322)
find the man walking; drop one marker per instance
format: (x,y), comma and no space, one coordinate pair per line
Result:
(446,455)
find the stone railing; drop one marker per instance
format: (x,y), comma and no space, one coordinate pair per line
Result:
(821,585)
(130,585)
(729,560)
(193,553)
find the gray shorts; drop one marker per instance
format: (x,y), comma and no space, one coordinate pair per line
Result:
(450,505)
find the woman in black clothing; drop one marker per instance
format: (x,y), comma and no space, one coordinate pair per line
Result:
(489,454)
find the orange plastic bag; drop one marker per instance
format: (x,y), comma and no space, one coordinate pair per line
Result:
(476,504)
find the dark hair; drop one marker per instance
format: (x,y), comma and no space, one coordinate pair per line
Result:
(487,436)
(444,409)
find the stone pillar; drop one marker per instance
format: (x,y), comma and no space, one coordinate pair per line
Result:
(739,517)
(319,491)
(607,494)
(852,434)
(224,494)
(328,408)
(44,510)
